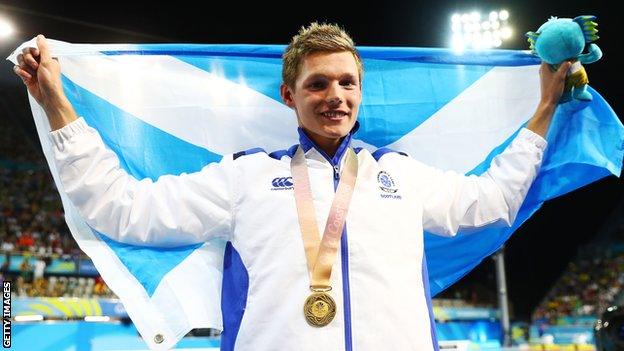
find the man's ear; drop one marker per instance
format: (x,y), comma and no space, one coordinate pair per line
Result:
(287,95)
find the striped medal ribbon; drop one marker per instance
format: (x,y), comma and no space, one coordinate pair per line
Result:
(320,308)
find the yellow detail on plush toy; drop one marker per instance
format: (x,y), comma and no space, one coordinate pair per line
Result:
(576,79)
(564,39)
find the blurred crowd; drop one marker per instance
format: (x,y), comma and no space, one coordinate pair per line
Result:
(31,280)
(592,282)
(23,151)
(33,228)
(31,216)
(587,288)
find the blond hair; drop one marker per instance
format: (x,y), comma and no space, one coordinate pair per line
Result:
(316,38)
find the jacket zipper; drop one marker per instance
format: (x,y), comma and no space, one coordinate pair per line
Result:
(344,254)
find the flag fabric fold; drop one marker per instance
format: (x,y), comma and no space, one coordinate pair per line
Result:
(173,108)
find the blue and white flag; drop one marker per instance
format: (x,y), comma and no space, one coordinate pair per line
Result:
(168,109)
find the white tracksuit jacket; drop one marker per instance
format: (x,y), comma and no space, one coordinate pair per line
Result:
(379,279)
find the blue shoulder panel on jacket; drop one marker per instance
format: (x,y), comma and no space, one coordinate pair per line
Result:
(281,153)
(255,150)
(384,150)
(290,152)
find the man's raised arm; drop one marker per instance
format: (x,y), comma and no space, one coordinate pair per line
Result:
(452,201)
(172,211)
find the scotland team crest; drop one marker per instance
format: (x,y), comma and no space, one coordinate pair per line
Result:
(386,183)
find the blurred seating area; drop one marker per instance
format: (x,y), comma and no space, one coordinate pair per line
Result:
(592,282)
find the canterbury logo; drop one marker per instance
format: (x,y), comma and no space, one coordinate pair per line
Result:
(282,183)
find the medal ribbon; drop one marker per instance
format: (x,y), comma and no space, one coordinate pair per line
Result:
(321,254)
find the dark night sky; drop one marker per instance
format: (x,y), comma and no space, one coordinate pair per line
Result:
(536,254)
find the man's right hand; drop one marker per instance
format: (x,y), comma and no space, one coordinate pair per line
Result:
(42,76)
(40,73)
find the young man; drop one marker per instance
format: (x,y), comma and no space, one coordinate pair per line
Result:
(278,288)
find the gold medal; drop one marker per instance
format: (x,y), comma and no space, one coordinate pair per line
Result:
(319,309)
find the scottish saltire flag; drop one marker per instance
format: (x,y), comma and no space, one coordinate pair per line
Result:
(168,109)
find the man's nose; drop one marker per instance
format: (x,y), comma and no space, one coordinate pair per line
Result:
(333,95)
(334,101)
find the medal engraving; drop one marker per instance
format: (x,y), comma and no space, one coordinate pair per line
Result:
(319,309)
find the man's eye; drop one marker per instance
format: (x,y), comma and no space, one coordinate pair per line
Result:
(347,83)
(317,85)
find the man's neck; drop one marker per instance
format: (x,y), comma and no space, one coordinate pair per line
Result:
(327,145)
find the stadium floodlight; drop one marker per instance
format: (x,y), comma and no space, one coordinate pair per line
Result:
(29,318)
(505,33)
(6,29)
(503,15)
(475,16)
(97,318)
(474,30)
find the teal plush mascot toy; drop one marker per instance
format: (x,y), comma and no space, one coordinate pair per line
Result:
(564,39)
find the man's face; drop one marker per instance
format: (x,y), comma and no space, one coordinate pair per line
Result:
(326,96)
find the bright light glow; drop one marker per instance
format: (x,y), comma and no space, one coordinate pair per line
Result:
(478,31)
(97,318)
(6,29)
(487,39)
(476,41)
(457,44)
(29,318)
(506,33)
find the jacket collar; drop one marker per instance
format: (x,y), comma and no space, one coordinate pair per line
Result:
(307,144)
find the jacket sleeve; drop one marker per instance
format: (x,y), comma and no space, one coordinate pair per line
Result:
(172,211)
(453,201)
